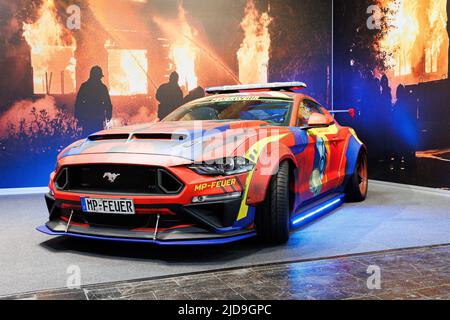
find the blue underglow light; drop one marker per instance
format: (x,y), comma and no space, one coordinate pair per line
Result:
(317,211)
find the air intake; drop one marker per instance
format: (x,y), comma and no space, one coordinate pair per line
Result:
(109,137)
(159,136)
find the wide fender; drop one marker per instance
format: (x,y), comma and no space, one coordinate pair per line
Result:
(266,167)
(355,147)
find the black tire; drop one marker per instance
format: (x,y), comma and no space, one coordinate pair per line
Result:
(273,215)
(356,191)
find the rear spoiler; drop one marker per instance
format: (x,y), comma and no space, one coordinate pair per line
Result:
(350,111)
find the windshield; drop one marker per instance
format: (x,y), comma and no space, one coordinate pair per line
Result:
(275,112)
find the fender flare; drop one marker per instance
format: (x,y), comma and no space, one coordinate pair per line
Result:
(264,171)
(355,146)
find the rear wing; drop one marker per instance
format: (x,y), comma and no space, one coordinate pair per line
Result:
(275,86)
(350,111)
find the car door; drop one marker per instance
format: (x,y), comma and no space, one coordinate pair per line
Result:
(321,158)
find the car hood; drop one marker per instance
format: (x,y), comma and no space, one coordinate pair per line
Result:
(193,140)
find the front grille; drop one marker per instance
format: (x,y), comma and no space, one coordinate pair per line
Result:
(118,179)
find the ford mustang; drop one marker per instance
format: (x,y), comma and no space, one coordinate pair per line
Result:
(250,160)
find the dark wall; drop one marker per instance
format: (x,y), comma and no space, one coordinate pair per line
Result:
(408,139)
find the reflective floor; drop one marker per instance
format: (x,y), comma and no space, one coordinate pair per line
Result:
(420,273)
(392,217)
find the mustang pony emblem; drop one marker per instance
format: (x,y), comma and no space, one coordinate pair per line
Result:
(111,176)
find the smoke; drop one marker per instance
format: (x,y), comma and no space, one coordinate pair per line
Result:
(10,26)
(21,114)
(121,118)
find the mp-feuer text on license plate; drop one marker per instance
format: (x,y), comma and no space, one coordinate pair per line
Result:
(111,206)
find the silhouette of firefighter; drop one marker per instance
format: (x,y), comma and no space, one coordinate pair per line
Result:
(169,96)
(93,105)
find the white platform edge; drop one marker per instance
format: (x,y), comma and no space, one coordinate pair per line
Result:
(23,191)
(435,191)
(42,190)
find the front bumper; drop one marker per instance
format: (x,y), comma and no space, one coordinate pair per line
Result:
(203,241)
(200,224)
(181,219)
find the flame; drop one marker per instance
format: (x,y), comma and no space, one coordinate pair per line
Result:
(253,55)
(414,44)
(52,52)
(183,51)
(437,35)
(127,72)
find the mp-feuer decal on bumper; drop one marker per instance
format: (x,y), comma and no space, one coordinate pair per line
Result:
(215,184)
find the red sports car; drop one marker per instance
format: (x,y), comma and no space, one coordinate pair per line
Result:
(253,160)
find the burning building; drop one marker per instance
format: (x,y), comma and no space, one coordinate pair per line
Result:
(127,71)
(415,42)
(412,49)
(52,52)
(415,46)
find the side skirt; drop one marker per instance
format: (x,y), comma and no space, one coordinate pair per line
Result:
(316,209)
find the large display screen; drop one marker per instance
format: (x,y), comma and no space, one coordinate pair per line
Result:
(47,50)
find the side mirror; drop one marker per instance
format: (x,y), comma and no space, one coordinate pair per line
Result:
(318,120)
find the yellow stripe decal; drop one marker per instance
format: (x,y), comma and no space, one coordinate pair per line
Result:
(333,129)
(253,154)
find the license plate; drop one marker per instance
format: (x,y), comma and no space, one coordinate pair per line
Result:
(110,206)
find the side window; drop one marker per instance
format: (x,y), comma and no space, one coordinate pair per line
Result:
(305,109)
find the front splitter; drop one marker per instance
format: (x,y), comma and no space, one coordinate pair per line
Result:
(214,241)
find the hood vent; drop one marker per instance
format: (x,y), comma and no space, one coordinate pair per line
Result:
(139,136)
(109,137)
(159,136)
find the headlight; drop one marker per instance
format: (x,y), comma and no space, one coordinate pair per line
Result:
(226,166)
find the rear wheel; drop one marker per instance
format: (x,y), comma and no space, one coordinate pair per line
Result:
(272,216)
(357,186)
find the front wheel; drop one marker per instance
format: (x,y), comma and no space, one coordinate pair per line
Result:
(272,216)
(358,183)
